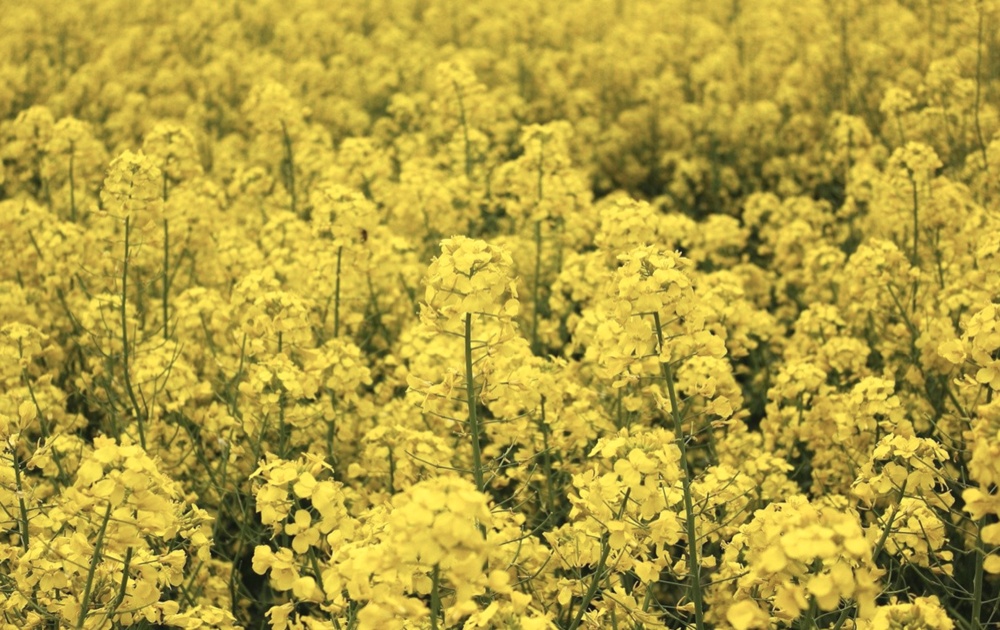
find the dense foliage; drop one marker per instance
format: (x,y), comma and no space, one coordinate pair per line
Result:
(430,314)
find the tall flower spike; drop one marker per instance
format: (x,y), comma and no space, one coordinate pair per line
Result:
(469,277)
(133,190)
(471,294)
(174,149)
(343,214)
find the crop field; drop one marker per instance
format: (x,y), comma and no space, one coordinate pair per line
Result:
(538,315)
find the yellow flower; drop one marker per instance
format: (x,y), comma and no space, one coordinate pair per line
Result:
(281,565)
(469,277)
(133,190)
(923,612)
(746,614)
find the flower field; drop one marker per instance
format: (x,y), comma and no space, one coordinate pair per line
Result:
(388,314)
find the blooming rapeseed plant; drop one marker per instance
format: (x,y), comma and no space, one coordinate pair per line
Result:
(643,313)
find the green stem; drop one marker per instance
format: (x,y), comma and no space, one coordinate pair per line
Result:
(979,86)
(316,572)
(336,295)
(547,462)
(845,62)
(465,131)
(56,457)
(94,560)
(915,257)
(72,185)
(599,571)
(619,420)
(888,525)
(121,589)
(534,291)
(809,618)
(166,277)
(282,439)
(694,562)
(124,322)
(435,597)
(289,165)
(392,472)
(840,620)
(977,580)
(900,131)
(331,431)
(470,391)
(22,507)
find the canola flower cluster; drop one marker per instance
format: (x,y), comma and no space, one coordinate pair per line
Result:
(427,314)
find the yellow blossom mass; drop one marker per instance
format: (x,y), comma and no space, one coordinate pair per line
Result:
(577,314)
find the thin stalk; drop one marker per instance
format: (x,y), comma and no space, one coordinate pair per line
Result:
(289,165)
(547,461)
(470,392)
(72,184)
(56,457)
(845,62)
(392,472)
(282,440)
(336,294)
(166,276)
(888,525)
(915,258)
(977,579)
(916,239)
(979,85)
(534,291)
(900,131)
(231,391)
(694,561)
(465,131)
(435,596)
(186,588)
(647,599)
(331,432)
(96,558)
(376,313)
(22,507)
(619,422)
(538,249)
(809,618)
(124,322)
(841,619)
(121,588)
(599,570)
